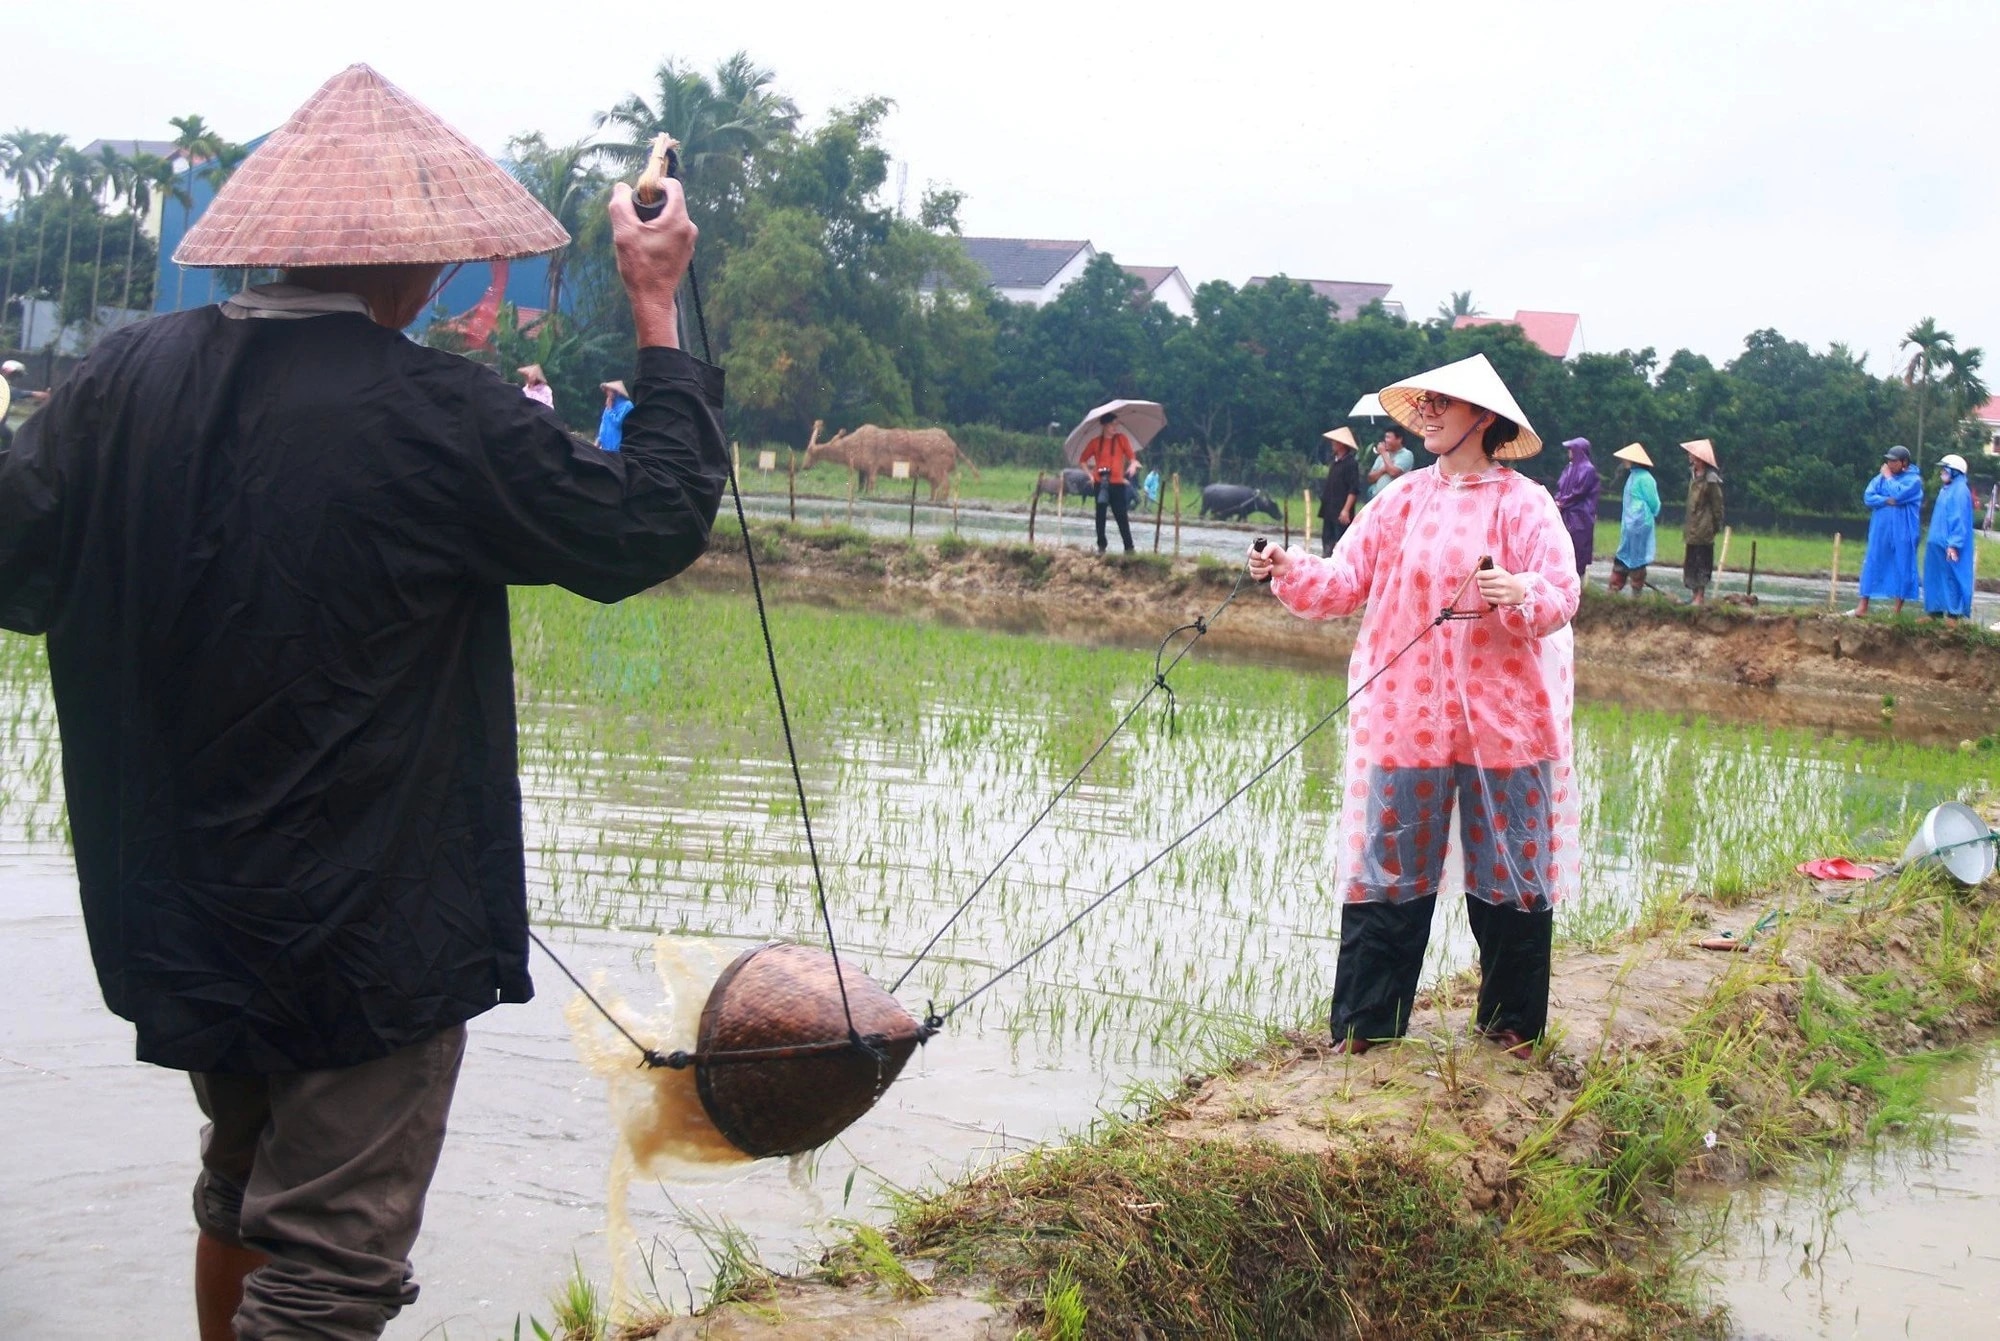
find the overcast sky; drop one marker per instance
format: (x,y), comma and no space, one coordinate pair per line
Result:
(1680,174)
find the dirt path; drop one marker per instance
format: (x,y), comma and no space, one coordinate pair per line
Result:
(1786,669)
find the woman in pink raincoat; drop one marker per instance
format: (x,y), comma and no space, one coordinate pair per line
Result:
(1462,748)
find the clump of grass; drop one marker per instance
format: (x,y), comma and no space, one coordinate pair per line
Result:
(952,548)
(580,1312)
(1031,562)
(1220,1239)
(866,1255)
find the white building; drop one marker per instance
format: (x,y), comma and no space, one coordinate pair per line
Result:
(1035,270)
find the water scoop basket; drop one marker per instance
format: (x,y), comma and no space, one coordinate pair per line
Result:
(1959,840)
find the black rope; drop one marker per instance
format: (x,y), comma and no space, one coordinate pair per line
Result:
(1200,625)
(651,1056)
(937,1019)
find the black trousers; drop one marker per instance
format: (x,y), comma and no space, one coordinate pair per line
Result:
(1330,532)
(1382,955)
(1113,497)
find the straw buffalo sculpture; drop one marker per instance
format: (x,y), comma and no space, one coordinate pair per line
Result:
(1235,502)
(870,451)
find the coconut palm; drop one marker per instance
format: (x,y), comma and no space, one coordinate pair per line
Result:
(1964,388)
(78,180)
(147,174)
(30,161)
(1929,349)
(719,123)
(196,143)
(1461,305)
(49,159)
(566,184)
(112,176)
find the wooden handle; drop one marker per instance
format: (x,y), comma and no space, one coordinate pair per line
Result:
(649,193)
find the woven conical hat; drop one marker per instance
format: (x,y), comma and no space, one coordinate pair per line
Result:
(1634,453)
(1472,380)
(364,174)
(1344,436)
(1701,449)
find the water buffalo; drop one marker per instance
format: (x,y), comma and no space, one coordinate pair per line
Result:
(1235,502)
(1072,481)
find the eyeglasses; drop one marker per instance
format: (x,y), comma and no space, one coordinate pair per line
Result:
(1431,404)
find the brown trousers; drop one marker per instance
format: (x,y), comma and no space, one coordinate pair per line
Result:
(326,1171)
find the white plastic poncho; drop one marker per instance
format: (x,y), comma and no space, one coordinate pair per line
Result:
(1476,717)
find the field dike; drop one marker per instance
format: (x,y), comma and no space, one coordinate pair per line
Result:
(1809,669)
(1438,1188)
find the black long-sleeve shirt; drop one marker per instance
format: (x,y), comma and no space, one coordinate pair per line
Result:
(272,559)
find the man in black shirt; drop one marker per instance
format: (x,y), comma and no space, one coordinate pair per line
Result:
(270,544)
(1342,491)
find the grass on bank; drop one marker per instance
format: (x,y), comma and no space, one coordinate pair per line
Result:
(1782,553)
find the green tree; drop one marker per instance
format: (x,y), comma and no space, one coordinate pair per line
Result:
(1460,305)
(146,175)
(196,142)
(1929,349)
(568,186)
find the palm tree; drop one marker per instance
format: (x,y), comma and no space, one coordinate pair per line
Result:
(1965,390)
(113,174)
(1461,305)
(48,159)
(1930,349)
(197,142)
(566,184)
(78,180)
(719,124)
(29,157)
(146,173)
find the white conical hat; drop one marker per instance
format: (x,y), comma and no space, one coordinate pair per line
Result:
(1701,449)
(1634,453)
(1471,380)
(1344,436)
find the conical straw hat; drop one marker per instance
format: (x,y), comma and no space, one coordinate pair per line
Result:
(1701,449)
(1343,435)
(364,174)
(1472,380)
(1634,453)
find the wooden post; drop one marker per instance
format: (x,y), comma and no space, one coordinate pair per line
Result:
(1034,506)
(913,504)
(1750,587)
(954,507)
(1285,509)
(1833,575)
(850,500)
(1159,512)
(1722,558)
(1062,492)
(792,484)
(1177,514)
(1306,531)
(736,459)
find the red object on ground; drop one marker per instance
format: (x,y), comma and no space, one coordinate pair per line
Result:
(1836,868)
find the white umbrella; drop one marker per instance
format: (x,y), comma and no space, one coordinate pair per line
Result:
(1368,407)
(1142,421)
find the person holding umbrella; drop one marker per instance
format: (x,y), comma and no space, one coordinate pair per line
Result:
(1107,444)
(1640,507)
(1948,559)
(1342,490)
(1895,499)
(1470,715)
(1704,518)
(1576,499)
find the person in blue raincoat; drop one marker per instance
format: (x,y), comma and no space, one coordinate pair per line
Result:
(1895,499)
(1948,550)
(611,424)
(1635,523)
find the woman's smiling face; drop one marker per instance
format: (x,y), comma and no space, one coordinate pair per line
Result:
(1444,422)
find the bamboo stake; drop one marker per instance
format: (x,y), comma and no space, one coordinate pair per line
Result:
(850,501)
(1159,511)
(1285,512)
(1722,559)
(792,483)
(1306,531)
(1833,575)
(954,507)
(1062,492)
(913,505)
(736,458)
(1750,587)
(1177,514)
(1034,506)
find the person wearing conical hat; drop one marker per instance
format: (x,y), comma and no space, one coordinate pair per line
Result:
(535,385)
(1639,508)
(1470,715)
(1948,556)
(270,543)
(611,423)
(1342,490)
(1704,518)
(1576,500)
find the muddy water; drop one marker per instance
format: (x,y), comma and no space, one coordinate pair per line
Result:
(696,837)
(1902,1240)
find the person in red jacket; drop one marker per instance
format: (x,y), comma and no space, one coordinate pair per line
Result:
(1110,460)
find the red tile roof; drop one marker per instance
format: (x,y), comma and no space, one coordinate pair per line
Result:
(1989,413)
(1551,332)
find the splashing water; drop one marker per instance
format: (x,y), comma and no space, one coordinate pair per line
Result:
(663,1130)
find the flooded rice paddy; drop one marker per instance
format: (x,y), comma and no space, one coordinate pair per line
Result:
(659,801)
(1898,1240)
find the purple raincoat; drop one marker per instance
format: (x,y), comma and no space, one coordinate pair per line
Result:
(1576,499)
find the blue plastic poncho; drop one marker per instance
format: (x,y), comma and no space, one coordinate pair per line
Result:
(1948,583)
(1896,521)
(1635,525)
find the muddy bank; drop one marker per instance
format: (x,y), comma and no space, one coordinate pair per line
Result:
(1729,661)
(1439,1188)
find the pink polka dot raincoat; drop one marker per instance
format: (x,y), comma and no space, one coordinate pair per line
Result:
(1478,712)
